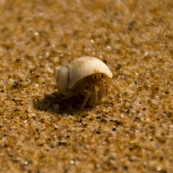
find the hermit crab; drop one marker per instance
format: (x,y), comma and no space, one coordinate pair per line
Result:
(88,76)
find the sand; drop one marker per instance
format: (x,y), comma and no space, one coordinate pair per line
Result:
(130,130)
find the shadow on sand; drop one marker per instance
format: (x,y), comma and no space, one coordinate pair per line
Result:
(56,103)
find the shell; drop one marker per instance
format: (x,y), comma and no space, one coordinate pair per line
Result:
(85,66)
(85,75)
(61,76)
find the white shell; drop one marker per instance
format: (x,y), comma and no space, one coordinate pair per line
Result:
(85,66)
(61,76)
(84,76)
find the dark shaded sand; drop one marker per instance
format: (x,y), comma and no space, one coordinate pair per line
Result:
(130,130)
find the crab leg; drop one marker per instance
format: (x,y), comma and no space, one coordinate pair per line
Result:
(87,96)
(94,97)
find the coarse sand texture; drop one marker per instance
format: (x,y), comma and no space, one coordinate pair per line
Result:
(130,130)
